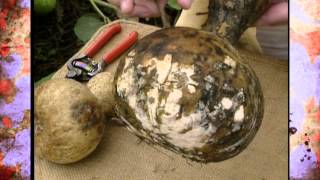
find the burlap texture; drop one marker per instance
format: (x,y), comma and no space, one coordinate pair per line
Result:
(121,156)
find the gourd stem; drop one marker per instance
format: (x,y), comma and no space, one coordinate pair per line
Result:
(96,8)
(229,19)
(105,4)
(164,19)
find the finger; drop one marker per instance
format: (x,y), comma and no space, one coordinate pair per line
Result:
(114,2)
(126,6)
(143,11)
(147,8)
(162,3)
(185,4)
(276,14)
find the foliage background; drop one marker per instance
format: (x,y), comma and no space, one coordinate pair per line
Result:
(61,33)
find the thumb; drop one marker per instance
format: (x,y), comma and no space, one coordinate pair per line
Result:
(126,6)
(185,4)
(276,14)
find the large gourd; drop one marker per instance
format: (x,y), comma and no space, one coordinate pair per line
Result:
(189,91)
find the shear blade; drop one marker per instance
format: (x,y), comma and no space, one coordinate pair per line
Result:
(71,74)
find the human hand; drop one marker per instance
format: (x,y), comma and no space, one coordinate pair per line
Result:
(276,14)
(145,8)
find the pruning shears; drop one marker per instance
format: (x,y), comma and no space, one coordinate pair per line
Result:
(83,68)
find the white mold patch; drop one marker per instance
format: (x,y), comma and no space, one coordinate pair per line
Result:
(209,78)
(191,89)
(163,68)
(226,103)
(152,103)
(172,107)
(125,81)
(239,114)
(184,131)
(230,62)
(191,84)
(195,135)
(185,71)
(236,127)
(128,61)
(128,88)
(189,70)
(132,53)
(171,77)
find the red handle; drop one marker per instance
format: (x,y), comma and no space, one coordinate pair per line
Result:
(103,38)
(125,44)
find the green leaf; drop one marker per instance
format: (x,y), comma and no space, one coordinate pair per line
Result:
(86,26)
(44,7)
(173,4)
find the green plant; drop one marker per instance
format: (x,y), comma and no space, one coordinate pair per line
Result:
(71,24)
(174,5)
(88,24)
(43,7)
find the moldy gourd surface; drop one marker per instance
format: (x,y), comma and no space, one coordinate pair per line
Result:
(189,92)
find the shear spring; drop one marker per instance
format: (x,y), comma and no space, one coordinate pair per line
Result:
(84,66)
